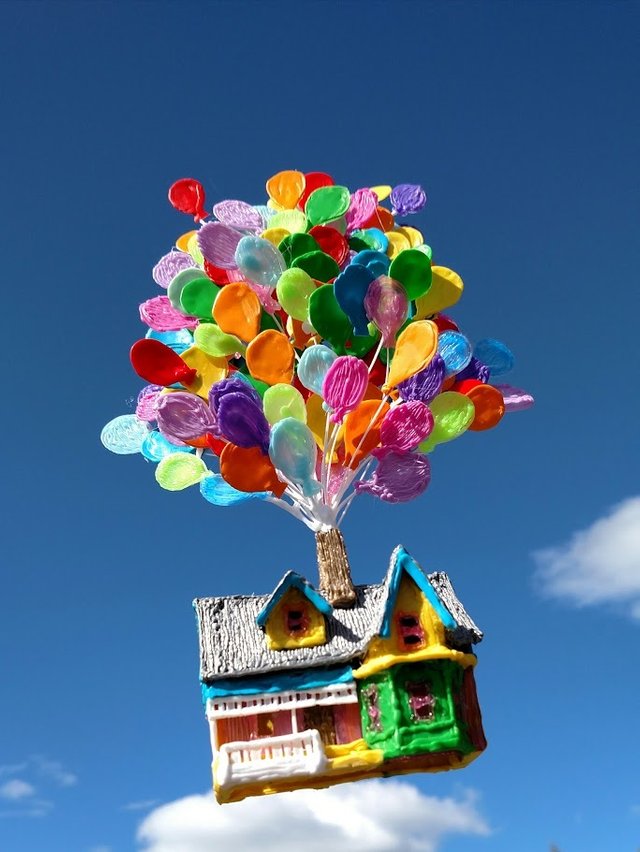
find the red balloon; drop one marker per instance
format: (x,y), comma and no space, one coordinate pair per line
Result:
(445,323)
(313,180)
(215,273)
(157,364)
(216,445)
(331,242)
(187,196)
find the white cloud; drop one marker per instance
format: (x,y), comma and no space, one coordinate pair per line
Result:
(600,564)
(379,816)
(100,849)
(16,789)
(12,768)
(55,771)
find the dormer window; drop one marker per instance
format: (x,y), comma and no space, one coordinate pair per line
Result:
(296,620)
(410,631)
(421,702)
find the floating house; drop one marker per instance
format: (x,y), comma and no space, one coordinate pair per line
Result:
(300,693)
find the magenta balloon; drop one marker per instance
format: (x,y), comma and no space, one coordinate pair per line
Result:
(515,399)
(386,304)
(398,478)
(344,385)
(184,415)
(406,425)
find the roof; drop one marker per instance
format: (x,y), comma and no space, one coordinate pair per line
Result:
(232,644)
(291,580)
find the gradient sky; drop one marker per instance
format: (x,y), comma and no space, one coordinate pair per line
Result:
(521,120)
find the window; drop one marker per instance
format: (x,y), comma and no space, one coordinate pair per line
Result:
(421,701)
(372,704)
(296,620)
(410,632)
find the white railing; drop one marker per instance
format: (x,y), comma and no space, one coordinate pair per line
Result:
(247,705)
(270,758)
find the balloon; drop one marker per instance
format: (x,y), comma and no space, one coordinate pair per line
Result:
(154,362)
(270,357)
(295,245)
(320,266)
(292,450)
(160,315)
(408,198)
(293,221)
(214,341)
(178,340)
(169,265)
(234,384)
(415,348)
(285,188)
(242,422)
(177,284)
(313,366)
(475,370)
(209,370)
(194,250)
(275,235)
(328,318)
(412,269)
(446,289)
(331,242)
(282,401)
(293,289)
(146,402)
(362,430)
(260,261)
(179,470)
(495,354)
(350,288)
(238,214)
(362,206)
(375,261)
(382,219)
(488,403)
(515,399)
(124,434)
(426,384)
(398,478)
(452,414)
(386,305)
(326,204)
(398,242)
(455,350)
(215,490)
(412,234)
(187,196)
(155,447)
(184,415)
(317,416)
(406,425)
(249,470)
(313,181)
(344,385)
(197,297)
(218,243)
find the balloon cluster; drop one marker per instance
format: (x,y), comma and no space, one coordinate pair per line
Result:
(300,354)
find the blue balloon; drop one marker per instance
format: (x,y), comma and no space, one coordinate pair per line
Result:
(455,351)
(124,434)
(375,261)
(215,490)
(350,288)
(260,261)
(292,449)
(155,447)
(378,238)
(176,340)
(495,354)
(313,366)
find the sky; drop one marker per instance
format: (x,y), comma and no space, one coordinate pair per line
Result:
(520,119)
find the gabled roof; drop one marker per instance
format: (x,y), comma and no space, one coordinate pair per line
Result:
(291,580)
(232,643)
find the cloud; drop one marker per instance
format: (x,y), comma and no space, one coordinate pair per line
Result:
(55,771)
(144,805)
(600,564)
(12,768)
(16,789)
(379,816)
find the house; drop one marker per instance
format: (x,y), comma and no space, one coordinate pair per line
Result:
(299,693)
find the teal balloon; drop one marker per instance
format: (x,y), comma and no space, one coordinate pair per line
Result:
(215,490)
(176,340)
(124,434)
(292,449)
(313,366)
(155,447)
(177,285)
(260,261)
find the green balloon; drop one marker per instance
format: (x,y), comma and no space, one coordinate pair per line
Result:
(261,387)
(412,268)
(197,298)
(282,401)
(214,341)
(328,318)
(296,245)
(358,244)
(180,470)
(318,265)
(293,290)
(453,413)
(327,203)
(360,345)
(179,282)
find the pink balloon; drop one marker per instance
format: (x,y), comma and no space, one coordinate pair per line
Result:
(515,399)
(363,204)
(386,304)
(160,315)
(344,385)
(184,415)
(398,478)
(406,425)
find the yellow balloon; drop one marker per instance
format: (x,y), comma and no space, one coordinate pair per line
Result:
(182,242)
(285,189)
(397,242)
(415,348)
(381,191)
(275,235)
(412,234)
(316,419)
(293,221)
(446,289)
(210,370)
(194,249)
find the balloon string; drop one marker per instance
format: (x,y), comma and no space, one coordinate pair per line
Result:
(323,466)
(334,441)
(376,354)
(292,510)
(350,478)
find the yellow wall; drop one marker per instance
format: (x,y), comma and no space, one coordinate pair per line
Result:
(275,628)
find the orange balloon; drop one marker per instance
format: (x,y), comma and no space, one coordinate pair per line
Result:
(382,219)
(270,357)
(415,348)
(365,419)
(237,310)
(296,332)
(487,401)
(249,470)
(285,188)
(448,384)
(200,442)
(372,392)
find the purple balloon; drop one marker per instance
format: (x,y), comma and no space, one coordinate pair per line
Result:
(238,214)
(386,304)
(408,198)
(475,370)
(426,384)
(405,426)
(515,399)
(184,415)
(168,267)
(146,402)
(231,385)
(241,421)
(398,478)
(344,385)
(218,244)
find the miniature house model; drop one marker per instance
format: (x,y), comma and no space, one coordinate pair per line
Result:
(300,693)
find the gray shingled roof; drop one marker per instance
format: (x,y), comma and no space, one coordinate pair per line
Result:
(232,644)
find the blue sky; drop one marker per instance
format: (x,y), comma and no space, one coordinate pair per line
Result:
(521,121)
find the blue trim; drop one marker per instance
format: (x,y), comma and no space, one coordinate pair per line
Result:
(295,581)
(405,562)
(277,682)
